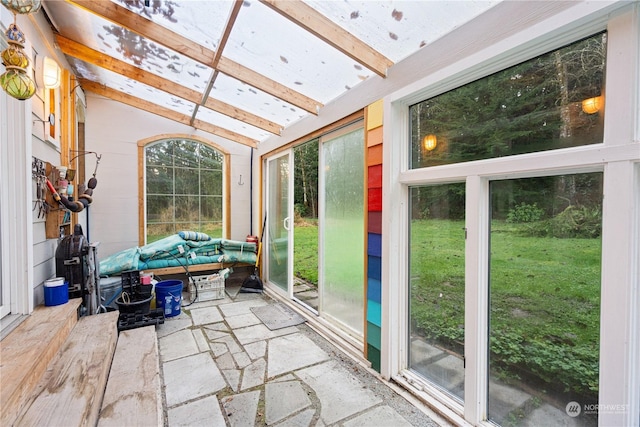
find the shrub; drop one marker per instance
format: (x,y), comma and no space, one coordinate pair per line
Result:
(574,222)
(525,213)
(578,221)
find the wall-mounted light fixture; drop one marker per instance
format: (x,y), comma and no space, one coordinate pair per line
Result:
(429,142)
(592,105)
(47,72)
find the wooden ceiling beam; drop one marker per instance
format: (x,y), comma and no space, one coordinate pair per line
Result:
(135,23)
(167,113)
(319,25)
(253,78)
(91,56)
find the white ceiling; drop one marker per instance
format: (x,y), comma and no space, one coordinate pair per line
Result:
(272,70)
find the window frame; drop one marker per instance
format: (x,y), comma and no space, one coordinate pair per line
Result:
(618,156)
(142,179)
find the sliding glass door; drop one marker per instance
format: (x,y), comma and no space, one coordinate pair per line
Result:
(279,222)
(342,228)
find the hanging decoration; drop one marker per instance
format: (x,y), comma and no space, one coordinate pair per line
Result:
(22,6)
(15,80)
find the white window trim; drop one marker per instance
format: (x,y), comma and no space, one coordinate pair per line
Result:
(618,156)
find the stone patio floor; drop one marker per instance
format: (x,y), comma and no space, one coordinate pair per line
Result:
(221,366)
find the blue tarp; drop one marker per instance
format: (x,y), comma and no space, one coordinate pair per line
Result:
(175,250)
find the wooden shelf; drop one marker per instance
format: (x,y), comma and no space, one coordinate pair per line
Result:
(56,225)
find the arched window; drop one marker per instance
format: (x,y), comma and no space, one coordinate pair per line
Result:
(184,188)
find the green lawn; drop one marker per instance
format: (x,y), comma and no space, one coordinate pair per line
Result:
(544,298)
(305,250)
(544,301)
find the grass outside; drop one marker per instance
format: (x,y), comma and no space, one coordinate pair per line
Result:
(305,250)
(544,298)
(544,302)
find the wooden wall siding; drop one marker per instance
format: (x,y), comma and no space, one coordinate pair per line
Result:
(374,222)
(374,155)
(374,233)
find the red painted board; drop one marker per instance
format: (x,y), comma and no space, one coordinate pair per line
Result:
(375,199)
(374,176)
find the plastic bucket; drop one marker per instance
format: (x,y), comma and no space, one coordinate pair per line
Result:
(138,306)
(110,290)
(169,297)
(56,292)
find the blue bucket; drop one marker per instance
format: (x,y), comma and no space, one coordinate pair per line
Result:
(56,292)
(169,297)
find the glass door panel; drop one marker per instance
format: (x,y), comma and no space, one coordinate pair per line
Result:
(305,233)
(342,229)
(544,299)
(278,221)
(436,285)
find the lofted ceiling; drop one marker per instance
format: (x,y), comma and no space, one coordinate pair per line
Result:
(242,70)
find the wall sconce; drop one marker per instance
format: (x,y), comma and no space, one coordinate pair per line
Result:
(47,72)
(429,142)
(592,105)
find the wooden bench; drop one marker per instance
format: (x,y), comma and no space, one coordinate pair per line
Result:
(133,396)
(196,268)
(26,352)
(70,391)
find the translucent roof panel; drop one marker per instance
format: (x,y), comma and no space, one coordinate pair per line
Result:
(202,21)
(255,101)
(131,87)
(270,70)
(226,122)
(277,48)
(399,28)
(102,35)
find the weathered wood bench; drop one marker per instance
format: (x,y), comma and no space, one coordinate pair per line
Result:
(70,391)
(133,395)
(26,352)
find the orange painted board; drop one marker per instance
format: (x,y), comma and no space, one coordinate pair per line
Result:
(374,136)
(374,155)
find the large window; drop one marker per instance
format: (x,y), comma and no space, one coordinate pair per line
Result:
(514,201)
(552,101)
(544,298)
(436,285)
(184,188)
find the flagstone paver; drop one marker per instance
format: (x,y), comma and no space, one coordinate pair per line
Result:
(281,349)
(191,377)
(340,393)
(241,408)
(178,344)
(221,366)
(202,316)
(283,399)
(201,412)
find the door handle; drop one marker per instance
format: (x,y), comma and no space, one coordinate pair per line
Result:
(285,223)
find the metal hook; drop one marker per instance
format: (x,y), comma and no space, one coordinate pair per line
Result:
(240,181)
